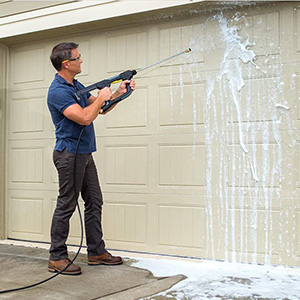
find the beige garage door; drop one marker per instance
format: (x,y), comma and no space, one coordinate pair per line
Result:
(200,161)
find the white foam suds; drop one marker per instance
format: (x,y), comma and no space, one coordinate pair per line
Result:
(243,108)
(211,280)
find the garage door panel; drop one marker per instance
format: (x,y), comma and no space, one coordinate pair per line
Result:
(176,39)
(179,105)
(265,33)
(131,116)
(125,222)
(126,165)
(258,237)
(28,120)
(27,216)
(30,214)
(126,51)
(28,68)
(182,226)
(181,165)
(31,165)
(131,113)
(28,115)
(26,165)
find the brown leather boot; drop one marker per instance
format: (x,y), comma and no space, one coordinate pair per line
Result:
(59,265)
(105,259)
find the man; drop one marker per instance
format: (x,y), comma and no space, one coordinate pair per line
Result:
(69,118)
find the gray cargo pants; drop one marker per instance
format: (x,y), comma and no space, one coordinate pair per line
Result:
(88,184)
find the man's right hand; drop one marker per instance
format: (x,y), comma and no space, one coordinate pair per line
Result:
(84,116)
(104,95)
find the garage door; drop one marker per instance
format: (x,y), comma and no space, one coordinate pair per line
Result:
(199,161)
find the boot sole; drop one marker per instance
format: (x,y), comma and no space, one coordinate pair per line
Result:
(95,263)
(53,270)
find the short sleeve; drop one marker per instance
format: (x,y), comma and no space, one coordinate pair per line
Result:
(61,98)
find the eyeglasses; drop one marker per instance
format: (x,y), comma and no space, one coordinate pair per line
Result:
(72,59)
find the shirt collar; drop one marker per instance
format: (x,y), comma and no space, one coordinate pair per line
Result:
(63,81)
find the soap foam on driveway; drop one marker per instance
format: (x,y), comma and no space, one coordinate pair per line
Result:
(223,280)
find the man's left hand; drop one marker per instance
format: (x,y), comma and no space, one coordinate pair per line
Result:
(123,88)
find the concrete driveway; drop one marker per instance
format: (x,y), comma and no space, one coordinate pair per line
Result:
(22,266)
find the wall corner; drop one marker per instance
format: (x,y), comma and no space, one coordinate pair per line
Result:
(3,72)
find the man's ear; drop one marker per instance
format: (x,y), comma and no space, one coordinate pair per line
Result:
(65,65)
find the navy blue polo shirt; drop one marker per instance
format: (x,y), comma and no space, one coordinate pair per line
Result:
(60,96)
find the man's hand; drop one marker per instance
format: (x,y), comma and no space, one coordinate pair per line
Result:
(104,94)
(84,116)
(123,89)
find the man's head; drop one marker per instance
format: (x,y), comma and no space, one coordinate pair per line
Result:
(66,55)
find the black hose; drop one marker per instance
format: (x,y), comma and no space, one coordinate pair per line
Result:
(81,224)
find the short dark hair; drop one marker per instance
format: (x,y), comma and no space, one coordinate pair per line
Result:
(62,52)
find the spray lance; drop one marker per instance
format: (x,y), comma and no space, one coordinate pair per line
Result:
(127,75)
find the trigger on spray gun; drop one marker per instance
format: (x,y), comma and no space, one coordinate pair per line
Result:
(127,75)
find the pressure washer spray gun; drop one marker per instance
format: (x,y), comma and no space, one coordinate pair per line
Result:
(127,75)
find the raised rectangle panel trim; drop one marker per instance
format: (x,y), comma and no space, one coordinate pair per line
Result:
(27,165)
(28,66)
(125,222)
(126,165)
(181,226)
(26,215)
(28,115)
(182,165)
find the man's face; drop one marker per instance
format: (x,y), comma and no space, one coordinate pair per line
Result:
(75,62)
